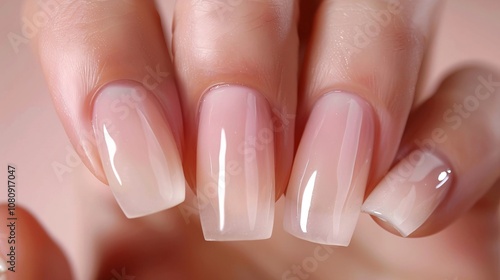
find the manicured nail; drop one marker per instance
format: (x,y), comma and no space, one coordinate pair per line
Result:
(410,192)
(137,149)
(235,165)
(330,170)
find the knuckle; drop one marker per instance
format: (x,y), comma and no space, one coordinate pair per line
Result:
(372,40)
(214,27)
(366,24)
(226,16)
(83,19)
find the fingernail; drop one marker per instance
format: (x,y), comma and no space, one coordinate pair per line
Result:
(235,165)
(410,192)
(330,170)
(137,149)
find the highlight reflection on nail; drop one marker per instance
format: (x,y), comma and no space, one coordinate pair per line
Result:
(410,192)
(330,171)
(235,165)
(306,201)
(139,155)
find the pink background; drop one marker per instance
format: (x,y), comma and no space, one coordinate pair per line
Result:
(74,207)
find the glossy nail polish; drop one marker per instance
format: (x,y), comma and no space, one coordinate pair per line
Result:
(410,192)
(137,149)
(330,170)
(235,164)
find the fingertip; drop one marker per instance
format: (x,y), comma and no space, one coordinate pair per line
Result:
(83,48)
(452,161)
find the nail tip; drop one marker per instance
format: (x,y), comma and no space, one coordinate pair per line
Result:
(237,234)
(323,239)
(341,242)
(236,237)
(214,239)
(138,213)
(337,243)
(388,221)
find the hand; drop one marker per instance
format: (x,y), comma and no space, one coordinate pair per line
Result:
(134,126)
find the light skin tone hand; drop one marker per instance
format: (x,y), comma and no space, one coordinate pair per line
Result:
(260,99)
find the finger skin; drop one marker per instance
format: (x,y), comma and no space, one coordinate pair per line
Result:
(373,49)
(236,64)
(356,91)
(459,124)
(85,45)
(251,43)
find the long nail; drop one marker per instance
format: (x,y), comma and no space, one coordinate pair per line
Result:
(330,171)
(139,155)
(410,192)
(235,165)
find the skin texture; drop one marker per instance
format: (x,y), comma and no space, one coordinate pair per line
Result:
(177,250)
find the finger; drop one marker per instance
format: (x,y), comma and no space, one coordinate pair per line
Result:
(356,93)
(451,157)
(107,69)
(236,64)
(30,253)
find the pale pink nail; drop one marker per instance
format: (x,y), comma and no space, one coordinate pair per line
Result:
(330,170)
(235,165)
(410,192)
(139,155)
